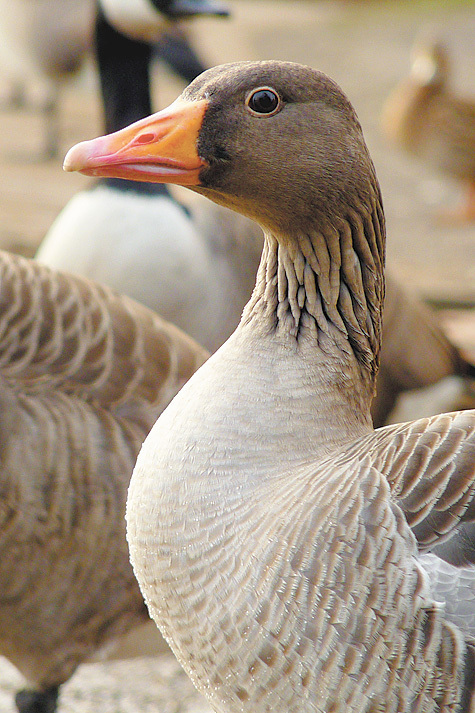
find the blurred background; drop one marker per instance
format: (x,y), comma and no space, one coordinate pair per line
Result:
(365,46)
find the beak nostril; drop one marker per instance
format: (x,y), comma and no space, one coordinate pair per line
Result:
(145,138)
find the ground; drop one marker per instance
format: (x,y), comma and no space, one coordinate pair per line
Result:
(365,47)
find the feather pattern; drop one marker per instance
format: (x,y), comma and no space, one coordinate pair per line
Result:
(84,373)
(453,587)
(430,465)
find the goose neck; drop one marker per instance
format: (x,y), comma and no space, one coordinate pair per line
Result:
(324,290)
(124,71)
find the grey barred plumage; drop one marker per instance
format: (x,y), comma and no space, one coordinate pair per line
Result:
(84,373)
(269,525)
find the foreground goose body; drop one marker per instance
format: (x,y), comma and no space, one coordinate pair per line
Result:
(275,535)
(424,116)
(84,373)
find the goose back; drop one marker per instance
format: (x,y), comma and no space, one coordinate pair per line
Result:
(83,375)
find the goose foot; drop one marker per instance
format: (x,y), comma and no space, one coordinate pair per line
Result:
(29,701)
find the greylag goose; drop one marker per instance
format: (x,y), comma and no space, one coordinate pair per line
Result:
(274,533)
(84,373)
(195,265)
(425,117)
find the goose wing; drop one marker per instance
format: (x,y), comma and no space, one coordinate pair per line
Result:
(454,588)
(62,331)
(430,467)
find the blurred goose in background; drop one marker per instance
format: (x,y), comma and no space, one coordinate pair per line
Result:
(275,535)
(84,373)
(44,41)
(425,117)
(460,327)
(143,19)
(418,350)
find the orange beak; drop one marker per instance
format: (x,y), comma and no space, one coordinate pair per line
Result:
(162,148)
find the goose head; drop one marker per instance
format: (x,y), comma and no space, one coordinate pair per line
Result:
(276,141)
(280,143)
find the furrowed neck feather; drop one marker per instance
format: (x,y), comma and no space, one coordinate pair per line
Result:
(326,284)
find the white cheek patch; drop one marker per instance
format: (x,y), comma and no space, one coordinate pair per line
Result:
(135,18)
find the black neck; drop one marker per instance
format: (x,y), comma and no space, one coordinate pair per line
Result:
(124,72)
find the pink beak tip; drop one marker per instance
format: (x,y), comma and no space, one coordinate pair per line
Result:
(71,162)
(77,157)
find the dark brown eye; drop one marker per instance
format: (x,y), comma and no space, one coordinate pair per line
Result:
(263,101)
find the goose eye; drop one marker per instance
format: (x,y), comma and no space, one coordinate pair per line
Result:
(263,101)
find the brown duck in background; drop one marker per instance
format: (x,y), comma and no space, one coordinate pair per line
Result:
(418,350)
(84,373)
(276,536)
(425,117)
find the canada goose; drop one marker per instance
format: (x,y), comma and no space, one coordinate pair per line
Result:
(424,116)
(194,265)
(143,19)
(84,373)
(275,534)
